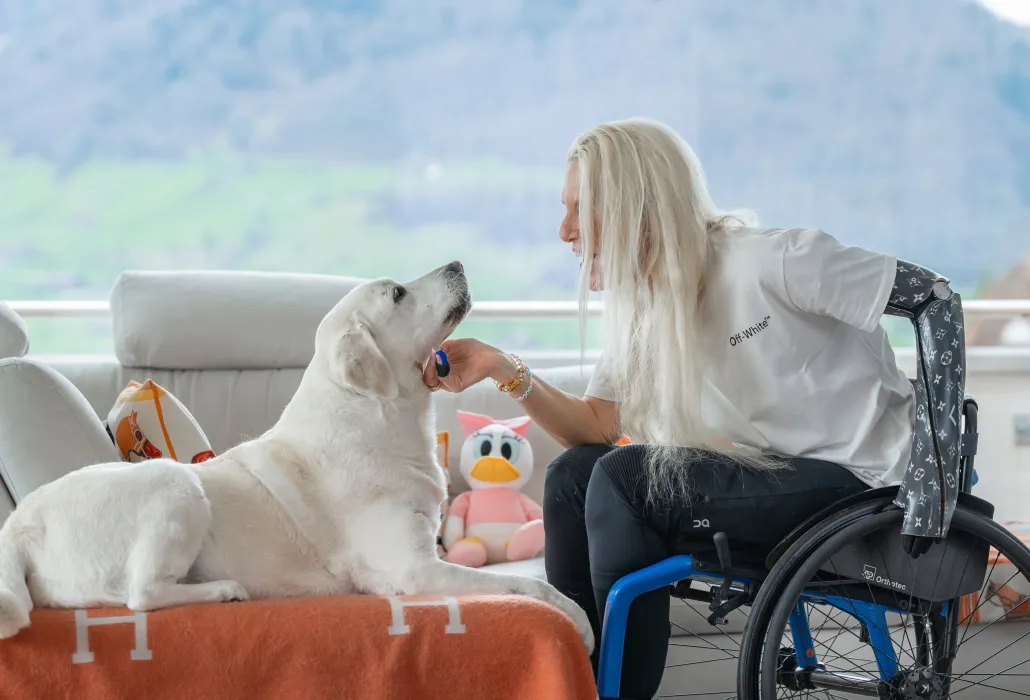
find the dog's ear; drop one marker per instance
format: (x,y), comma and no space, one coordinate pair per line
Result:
(357,363)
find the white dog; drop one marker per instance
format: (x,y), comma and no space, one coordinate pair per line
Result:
(342,495)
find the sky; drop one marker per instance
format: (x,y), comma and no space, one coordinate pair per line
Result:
(1015,11)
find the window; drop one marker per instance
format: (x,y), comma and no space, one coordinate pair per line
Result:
(381,138)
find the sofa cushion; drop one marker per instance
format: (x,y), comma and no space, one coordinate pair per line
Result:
(219,319)
(148,422)
(47,428)
(232,406)
(14,334)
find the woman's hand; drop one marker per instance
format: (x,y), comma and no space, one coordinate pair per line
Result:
(471,362)
(568,419)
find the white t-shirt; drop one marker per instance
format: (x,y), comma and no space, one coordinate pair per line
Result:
(800,364)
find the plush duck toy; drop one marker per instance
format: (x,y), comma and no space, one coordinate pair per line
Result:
(494,522)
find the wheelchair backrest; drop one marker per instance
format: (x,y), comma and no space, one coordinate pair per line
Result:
(878,561)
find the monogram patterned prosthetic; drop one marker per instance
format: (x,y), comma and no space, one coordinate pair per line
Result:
(930,487)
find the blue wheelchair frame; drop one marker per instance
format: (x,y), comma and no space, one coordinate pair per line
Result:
(680,568)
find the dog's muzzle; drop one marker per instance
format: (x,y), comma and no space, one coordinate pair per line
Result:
(457,284)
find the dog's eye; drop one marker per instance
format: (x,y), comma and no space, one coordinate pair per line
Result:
(398,294)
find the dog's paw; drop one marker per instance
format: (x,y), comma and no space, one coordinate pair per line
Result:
(551,596)
(232,592)
(13,616)
(579,617)
(586,632)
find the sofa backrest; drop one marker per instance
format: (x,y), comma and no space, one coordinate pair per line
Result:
(221,320)
(233,405)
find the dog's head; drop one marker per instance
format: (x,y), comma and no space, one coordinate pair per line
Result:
(373,340)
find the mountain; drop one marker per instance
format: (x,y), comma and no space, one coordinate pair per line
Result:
(900,125)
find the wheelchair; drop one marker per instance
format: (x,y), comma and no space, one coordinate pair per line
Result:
(848,605)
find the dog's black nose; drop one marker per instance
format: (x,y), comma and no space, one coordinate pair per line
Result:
(455,267)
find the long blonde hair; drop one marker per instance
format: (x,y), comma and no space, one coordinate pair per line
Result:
(642,188)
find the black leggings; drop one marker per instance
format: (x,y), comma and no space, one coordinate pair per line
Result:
(600,527)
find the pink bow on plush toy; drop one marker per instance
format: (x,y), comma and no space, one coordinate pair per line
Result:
(494,521)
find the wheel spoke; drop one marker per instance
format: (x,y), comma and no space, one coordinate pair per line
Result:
(993,675)
(938,643)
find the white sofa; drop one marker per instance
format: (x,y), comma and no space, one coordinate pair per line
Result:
(230,345)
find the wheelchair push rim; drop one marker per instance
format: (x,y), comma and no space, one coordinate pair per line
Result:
(837,634)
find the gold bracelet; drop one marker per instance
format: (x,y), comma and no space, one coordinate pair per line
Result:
(520,374)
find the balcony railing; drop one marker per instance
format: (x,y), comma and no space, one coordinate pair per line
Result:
(486,309)
(981,358)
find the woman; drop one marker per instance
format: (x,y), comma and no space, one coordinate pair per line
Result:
(761,350)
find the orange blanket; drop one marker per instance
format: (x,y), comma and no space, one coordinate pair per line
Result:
(493,647)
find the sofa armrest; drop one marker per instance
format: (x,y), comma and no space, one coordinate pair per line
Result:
(47,428)
(14,334)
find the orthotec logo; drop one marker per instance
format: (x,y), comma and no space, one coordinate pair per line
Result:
(869,574)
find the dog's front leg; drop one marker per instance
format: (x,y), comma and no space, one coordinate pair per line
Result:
(435,577)
(402,559)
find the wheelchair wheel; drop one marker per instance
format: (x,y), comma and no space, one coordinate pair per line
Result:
(846,613)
